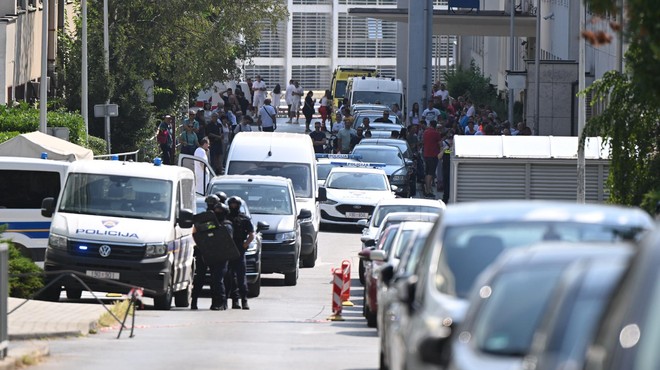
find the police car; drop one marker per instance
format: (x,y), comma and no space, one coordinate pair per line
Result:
(325,162)
(352,191)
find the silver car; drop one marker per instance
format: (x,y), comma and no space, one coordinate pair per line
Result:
(469,237)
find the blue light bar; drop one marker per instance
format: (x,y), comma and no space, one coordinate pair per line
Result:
(82,247)
(359,164)
(338,156)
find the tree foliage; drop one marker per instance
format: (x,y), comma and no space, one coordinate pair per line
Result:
(182,45)
(470,82)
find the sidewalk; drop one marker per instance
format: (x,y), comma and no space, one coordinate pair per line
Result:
(40,320)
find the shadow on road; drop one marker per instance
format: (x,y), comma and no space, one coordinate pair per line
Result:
(341,229)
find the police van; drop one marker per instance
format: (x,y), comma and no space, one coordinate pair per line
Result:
(123,222)
(25,183)
(376,90)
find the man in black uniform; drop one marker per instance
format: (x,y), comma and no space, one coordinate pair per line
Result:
(218,296)
(243,236)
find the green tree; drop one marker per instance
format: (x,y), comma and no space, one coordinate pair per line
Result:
(183,45)
(471,83)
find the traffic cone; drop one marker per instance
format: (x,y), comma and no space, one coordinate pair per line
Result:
(337,283)
(346,286)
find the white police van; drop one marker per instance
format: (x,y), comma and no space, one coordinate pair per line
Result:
(123,222)
(25,183)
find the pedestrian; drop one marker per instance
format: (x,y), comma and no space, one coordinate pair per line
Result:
(164,139)
(276,97)
(244,126)
(243,236)
(308,109)
(345,136)
(326,106)
(188,139)
(297,95)
(289,99)
(442,93)
(215,132)
(431,143)
(202,176)
(431,113)
(267,117)
(385,118)
(318,138)
(396,110)
(447,143)
(218,293)
(200,125)
(259,89)
(355,140)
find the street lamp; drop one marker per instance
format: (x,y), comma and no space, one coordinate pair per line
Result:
(43,85)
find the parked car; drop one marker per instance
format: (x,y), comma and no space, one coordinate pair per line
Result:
(399,170)
(627,337)
(469,237)
(510,298)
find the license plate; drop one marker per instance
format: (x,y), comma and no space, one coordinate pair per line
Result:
(103,274)
(357,215)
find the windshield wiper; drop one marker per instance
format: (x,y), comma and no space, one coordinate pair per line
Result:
(508,352)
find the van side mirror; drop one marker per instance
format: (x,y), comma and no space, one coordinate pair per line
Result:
(365,254)
(408,162)
(261,226)
(48,207)
(369,243)
(304,214)
(323,195)
(378,255)
(185,219)
(363,222)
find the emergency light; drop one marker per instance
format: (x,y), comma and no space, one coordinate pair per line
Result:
(338,156)
(359,164)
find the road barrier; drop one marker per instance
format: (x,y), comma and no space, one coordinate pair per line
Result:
(346,283)
(337,283)
(4,294)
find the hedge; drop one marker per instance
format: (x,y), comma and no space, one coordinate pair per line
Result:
(22,118)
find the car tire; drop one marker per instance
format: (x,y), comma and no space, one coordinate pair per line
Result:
(73,293)
(50,294)
(370,316)
(310,261)
(291,278)
(254,289)
(163,302)
(182,298)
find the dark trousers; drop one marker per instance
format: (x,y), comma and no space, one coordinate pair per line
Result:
(166,157)
(268,129)
(445,177)
(237,278)
(215,160)
(217,279)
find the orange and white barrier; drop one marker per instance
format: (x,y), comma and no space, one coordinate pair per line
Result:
(337,283)
(346,286)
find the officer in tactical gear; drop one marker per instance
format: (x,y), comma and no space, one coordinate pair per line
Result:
(243,236)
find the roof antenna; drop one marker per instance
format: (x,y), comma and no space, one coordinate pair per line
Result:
(270,146)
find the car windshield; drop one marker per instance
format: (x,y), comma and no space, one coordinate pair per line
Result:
(511,308)
(401,144)
(402,242)
(260,198)
(117,196)
(395,125)
(380,155)
(468,250)
(383,211)
(356,181)
(377,97)
(299,173)
(323,170)
(386,242)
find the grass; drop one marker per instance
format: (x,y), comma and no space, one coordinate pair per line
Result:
(119,309)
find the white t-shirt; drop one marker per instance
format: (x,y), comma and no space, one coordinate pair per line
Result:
(259,94)
(470,111)
(289,93)
(295,99)
(266,113)
(431,114)
(444,94)
(200,170)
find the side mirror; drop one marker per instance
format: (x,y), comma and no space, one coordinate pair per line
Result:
(368,242)
(386,274)
(378,255)
(365,254)
(48,207)
(185,219)
(261,226)
(406,290)
(432,349)
(394,187)
(408,162)
(323,195)
(304,214)
(363,222)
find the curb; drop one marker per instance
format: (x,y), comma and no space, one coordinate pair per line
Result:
(24,354)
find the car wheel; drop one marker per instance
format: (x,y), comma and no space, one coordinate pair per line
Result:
(255,288)
(383,365)
(163,302)
(182,297)
(310,261)
(291,278)
(361,272)
(73,293)
(50,294)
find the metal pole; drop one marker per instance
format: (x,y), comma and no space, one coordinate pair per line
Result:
(43,84)
(84,110)
(106,54)
(512,55)
(429,50)
(4,293)
(619,49)
(537,69)
(582,111)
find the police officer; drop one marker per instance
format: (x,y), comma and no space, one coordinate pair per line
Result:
(222,197)
(243,236)
(218,297)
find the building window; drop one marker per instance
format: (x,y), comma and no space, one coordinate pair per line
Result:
(312,2)
(271,75)
(311,35)
(312,77)
(367,2)
(365,38)
(273,40)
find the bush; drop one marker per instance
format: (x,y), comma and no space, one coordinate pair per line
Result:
(24,118)
(23,287)
(97,145)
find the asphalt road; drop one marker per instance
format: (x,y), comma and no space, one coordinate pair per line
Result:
(286,328)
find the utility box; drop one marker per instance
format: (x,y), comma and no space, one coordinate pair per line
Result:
(526,167)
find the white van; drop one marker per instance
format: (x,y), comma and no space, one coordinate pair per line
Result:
(287,155)
(25,183)
(123,222)
(376,90)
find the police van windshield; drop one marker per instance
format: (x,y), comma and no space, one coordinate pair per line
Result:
(377,97)
(299,173)
(260,198)
(117,196)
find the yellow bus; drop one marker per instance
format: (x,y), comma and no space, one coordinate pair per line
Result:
(340,79)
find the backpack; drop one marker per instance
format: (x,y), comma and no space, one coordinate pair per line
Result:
(162,137)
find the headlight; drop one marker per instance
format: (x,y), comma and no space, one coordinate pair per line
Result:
(57,241)
(252,248)
(155,250)
(330,202)
(287,237)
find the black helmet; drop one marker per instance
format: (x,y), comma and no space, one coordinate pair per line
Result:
(234,199)
(222,196)
(221,207)
(211,200)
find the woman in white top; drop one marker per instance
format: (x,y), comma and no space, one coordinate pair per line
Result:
(276,96)
(413,116)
